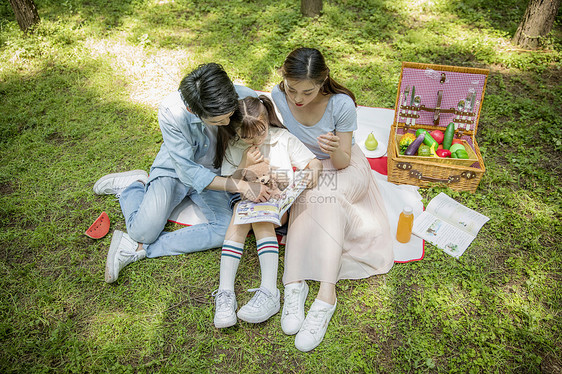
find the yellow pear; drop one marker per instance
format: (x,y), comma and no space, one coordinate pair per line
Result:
(371,143)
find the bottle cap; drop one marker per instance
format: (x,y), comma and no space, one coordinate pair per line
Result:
(408,209)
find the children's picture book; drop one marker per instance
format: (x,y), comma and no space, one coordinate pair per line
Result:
(272,210)
(448,225)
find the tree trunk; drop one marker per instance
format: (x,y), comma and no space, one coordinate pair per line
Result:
(537,23)
(311,8)
(26,13)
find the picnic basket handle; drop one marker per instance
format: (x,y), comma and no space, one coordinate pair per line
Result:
(452,179)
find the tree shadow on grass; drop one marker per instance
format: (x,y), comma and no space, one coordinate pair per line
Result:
(64,126)
(62,129)
(60,133)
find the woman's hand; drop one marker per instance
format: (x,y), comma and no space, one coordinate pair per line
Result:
(251,156)
(338,146)
(328,143)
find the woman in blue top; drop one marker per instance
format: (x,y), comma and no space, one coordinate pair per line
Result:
(338,230)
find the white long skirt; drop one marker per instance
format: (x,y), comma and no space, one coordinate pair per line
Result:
(339,230)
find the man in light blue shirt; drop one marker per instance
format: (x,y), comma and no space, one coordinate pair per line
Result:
(184,167)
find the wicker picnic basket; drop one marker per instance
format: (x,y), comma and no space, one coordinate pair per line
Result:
(430,97)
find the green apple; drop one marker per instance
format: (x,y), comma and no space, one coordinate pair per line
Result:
(371,143)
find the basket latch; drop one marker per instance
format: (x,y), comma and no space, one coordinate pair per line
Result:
(418,175)
(468,174)
(404,165)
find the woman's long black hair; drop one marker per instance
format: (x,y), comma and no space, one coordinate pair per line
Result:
(309,64)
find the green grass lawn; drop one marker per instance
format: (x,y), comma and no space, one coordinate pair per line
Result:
(79,99)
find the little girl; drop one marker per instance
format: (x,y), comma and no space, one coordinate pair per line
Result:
(259,135)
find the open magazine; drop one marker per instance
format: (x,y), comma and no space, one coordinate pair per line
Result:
(273,209)
(449,225)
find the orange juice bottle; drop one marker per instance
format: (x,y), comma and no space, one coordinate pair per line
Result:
(405,223)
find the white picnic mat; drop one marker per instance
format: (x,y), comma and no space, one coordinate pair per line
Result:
(378,121)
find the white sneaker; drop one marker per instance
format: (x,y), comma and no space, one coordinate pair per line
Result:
(225,309)
(263,305)
(114,184)
(292,316)
(315,324)
(122,252)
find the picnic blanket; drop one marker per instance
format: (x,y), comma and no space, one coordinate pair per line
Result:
(378,121)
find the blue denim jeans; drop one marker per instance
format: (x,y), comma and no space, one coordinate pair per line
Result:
(147,208)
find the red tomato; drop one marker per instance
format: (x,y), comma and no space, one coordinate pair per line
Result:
(440,146)
(437,135)
(457,141)
(443,152)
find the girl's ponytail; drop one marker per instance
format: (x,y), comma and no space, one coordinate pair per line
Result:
(271,113)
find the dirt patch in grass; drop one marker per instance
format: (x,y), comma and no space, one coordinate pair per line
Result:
(551,364)
(56,138)
(152,76)
(6,188)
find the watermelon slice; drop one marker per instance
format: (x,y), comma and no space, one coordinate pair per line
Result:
(100,227)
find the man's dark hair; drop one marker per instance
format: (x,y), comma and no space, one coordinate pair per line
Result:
(208,91)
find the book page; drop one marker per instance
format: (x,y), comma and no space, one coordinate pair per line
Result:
(272,210)
(456,214)
(247,212)
(442,234)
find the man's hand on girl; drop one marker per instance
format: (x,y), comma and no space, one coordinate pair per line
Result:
(328,142)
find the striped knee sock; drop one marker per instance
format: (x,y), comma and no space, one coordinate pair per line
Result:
(230,259)
(268,253)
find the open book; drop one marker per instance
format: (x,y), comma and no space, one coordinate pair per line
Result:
(272,210)
(449,225)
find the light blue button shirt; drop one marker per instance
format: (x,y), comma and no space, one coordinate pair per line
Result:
(185,141)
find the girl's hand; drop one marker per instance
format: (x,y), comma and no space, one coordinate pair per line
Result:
(328,143)
(256,192)
(251,156)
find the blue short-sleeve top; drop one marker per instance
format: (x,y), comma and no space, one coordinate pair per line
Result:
(340,115)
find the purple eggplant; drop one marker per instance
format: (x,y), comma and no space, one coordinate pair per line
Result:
(413,148)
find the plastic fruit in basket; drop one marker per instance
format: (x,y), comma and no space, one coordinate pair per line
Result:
(454,147)
(443,153)
(405,140)
(413,148)
(371,142)
(428,139)
(424,150)
(461,153)
(448,135)
(437,135)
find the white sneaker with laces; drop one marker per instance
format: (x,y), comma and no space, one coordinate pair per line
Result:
(314,326)
(225,309)
(122,252)
(292,316)
(114,184)
(261,307)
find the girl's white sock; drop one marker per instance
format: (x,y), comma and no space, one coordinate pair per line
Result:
(230,259)
(268,253)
